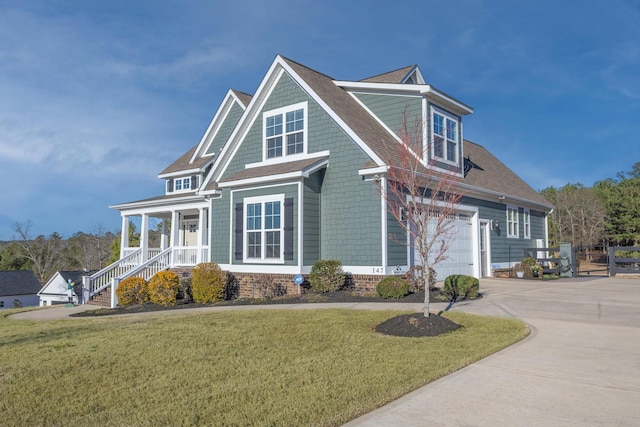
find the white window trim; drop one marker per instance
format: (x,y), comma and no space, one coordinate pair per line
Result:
(245,231)
(516,227)
(526,222)
(182,189)
(434,111)
(304,106)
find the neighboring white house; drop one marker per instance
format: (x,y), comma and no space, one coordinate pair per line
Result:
(18,289)
(56,291)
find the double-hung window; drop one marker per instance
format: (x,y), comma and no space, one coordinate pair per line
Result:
(526,223)
(264,228)
(285,131)
(445,137)
(512,222)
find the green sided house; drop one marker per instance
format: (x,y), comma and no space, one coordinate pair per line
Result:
(290,175)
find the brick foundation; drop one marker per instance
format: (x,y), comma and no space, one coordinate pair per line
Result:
(255,285)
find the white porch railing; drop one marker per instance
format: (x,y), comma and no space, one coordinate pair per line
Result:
(132,266)
(160,262)
(102,279)
(185,256)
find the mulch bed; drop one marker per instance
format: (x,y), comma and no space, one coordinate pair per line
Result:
(412,325)
(415,325)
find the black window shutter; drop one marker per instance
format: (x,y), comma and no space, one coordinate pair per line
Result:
(194,182)
(170,185)
(239,231)
(288,229)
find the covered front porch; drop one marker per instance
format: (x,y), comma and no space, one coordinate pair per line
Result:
(184,232)
(181,226)
(177,239)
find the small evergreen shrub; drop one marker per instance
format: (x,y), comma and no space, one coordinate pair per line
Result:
(184,290)
(163,288)
(132,291)
(393,287)
(461,286)
(326,276)
(208,283)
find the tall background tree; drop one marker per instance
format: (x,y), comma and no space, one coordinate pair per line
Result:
(606,213)
(45,255)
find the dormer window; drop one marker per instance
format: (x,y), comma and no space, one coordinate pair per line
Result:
(285,131)
(182,184)
(177,185)
(445,141)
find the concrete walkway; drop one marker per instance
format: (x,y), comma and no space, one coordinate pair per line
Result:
(580,365)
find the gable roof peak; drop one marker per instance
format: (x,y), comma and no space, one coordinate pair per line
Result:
(401,75)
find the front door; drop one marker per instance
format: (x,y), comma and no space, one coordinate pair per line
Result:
(190,232)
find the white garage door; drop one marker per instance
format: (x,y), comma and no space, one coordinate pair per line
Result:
(460,254)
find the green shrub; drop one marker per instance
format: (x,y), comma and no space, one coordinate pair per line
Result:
(208,283)
(132,291)
(326,275)
(163,288)
(460,286)
(393,287)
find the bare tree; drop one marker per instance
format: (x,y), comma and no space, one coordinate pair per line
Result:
(45,254)
(91,251)
(423,200)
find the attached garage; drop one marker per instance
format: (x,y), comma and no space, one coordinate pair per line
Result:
(460,258)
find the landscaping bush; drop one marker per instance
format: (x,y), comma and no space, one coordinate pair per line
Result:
(393,287)
(132,291)
(163,288)
(267,287)
(460,286)
(208,283)
(326,275)
(184,290)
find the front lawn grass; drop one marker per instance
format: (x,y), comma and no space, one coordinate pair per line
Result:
(264,367)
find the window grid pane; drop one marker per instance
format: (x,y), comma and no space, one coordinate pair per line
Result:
(272,249)
(254,245)
(438,124)
(274,147)
(295,143)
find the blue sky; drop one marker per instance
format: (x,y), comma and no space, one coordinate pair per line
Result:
(97,97)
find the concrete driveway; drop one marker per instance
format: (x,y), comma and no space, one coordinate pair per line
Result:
(579,367)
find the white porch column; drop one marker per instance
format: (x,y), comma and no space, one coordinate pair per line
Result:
(164,238)
(124,236)
(201,233)
(175,228)
(144,237)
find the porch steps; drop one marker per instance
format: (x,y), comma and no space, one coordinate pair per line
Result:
(102,298)
(182,271)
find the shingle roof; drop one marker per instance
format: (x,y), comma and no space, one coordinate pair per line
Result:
(280,168)
(396,76)
(493,175)
(21,282)
(183,163)
(245,98)
(75,275)
(362,123)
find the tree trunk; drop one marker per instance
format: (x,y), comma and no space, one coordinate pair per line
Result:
(427,279)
